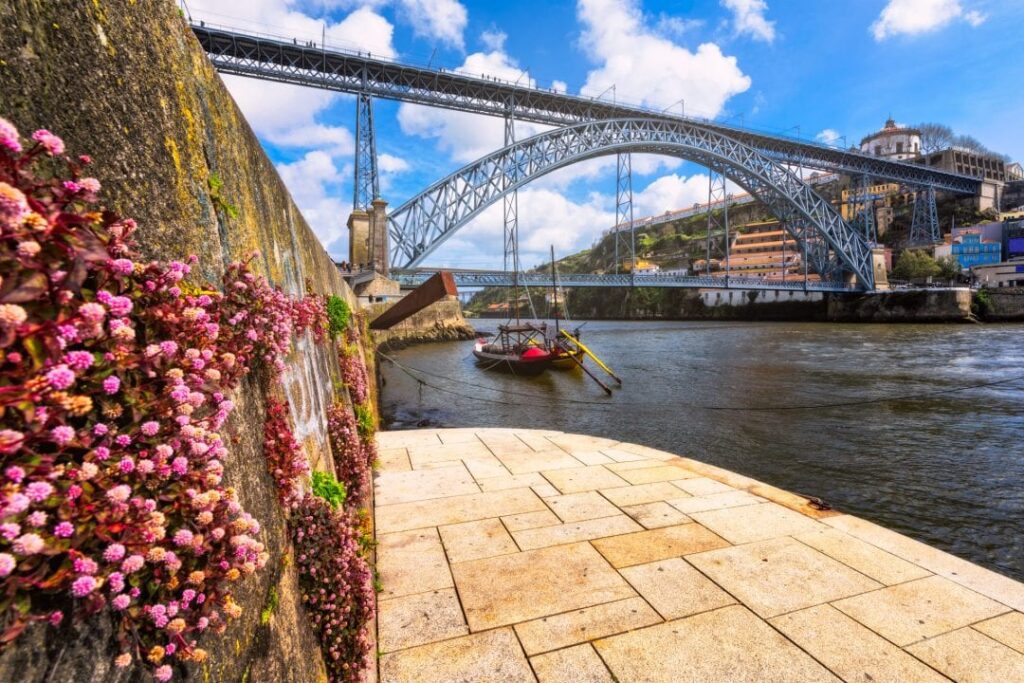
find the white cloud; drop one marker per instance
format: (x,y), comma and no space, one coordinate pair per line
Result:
(914,17)
(669,25)
(494,39)
(828,136)
(560,86)
(467,137)
(749,19)
(646,68)
(315,184)
(389,163)
(443,20)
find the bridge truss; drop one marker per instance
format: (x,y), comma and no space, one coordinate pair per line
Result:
(423,223)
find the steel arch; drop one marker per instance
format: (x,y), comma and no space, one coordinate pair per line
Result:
(423,223)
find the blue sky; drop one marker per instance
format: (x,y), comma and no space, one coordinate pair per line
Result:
(815,69)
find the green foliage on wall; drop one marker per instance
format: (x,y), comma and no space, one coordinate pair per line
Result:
(330,489)
(338,314)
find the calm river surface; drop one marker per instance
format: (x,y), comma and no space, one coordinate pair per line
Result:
(945,468)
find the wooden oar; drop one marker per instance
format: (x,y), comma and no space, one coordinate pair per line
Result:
(590,353)
(592,375)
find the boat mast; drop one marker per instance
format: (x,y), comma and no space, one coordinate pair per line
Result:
(554,288)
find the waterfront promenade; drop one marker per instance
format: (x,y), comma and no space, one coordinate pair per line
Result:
(522,555)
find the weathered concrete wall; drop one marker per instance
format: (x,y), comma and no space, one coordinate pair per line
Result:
(125,81)
(1005,305)
(936,305)
(441,321)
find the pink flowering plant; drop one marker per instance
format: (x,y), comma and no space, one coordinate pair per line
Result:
(353,372)
(336,584)
(115,379)
(353,457)
(285,458)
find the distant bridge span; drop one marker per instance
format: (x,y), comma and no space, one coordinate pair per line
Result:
(483,278)
(424,222)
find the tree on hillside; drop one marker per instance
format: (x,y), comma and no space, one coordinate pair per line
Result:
(915,264)
(949,268)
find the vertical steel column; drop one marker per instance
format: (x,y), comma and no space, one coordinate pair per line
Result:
(511,200)
(367,186)
(624,209)
(924,228)
(866,215)
(716,224)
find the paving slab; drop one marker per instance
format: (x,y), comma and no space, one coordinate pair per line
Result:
(579,664)
(530,520)
(455,509)
(867,559)
(575,531)
(644,493)
(476,658)
(576,479)
(780,575)
(750,523)
(702,486)
(968,656)
(474,540)
(850,650)
(576,507)
(418,619)
(657,544)
(513,588)
(1008,629)
(713,501)
(411,562)
(582,625)
(919,609)
(728,644)
(405,487)
(499,545)
(656,515)
(675,588)
(648,475)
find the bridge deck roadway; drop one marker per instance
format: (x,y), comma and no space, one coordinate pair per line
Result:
(286,60)
(525,555)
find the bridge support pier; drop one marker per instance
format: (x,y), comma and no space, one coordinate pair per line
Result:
(624,211)
(924,228)
(368,238)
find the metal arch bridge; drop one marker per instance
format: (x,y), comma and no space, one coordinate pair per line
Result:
(420,225)
(481,278)
(285,60)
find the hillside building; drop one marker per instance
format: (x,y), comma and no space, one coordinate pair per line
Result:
(893,142)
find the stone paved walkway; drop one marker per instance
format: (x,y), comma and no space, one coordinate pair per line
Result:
(521,555)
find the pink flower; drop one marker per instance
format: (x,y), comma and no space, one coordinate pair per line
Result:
(119,494)
(116,582)
(9,137)
(150,428)
(85,565)
(55,618)
(10,530)
(38,491)
(28,248)
(114,552)
(132,564)
(102,453)
(179,466)
(78,360)
(7,562)
(14,473)
(11,315)
(62,434)
(71,186)
(182,537)
(60,377)
(121,602)
(111,384)
(90,184)
(64,530)
(92,312)
(163,673)
(82,586)
(123,266)
(169,348)
(126,465)
(100,429)
(120,306)
(28,544)
(50,142)
(36,519)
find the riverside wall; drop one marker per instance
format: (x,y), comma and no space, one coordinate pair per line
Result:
(126,82)
(439,322)
(898,306)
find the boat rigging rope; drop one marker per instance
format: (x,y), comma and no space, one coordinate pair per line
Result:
(411,372)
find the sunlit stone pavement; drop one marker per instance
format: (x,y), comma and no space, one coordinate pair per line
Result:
(523,555)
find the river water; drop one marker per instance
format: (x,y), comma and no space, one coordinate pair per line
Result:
(848,413)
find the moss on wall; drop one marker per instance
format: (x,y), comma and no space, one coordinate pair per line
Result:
(126,82)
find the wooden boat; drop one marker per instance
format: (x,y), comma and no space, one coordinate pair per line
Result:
(520,349)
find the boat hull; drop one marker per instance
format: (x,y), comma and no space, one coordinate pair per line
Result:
(566,360)
(516,365)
